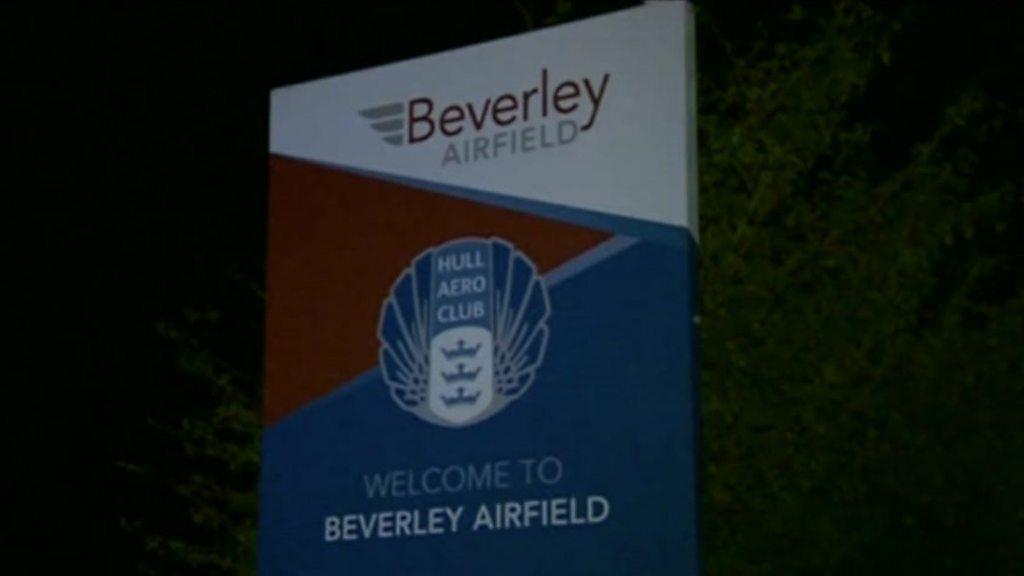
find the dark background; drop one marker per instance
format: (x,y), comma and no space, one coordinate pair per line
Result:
(135,196)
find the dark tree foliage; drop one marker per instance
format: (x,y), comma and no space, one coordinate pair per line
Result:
(207,465)
(862,308)
(862,298)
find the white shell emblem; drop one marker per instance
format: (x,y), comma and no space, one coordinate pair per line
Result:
(463,331)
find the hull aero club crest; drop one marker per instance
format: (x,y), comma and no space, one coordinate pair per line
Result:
(463,331)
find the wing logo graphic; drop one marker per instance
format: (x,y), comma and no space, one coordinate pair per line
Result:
(463,331)
(388,121)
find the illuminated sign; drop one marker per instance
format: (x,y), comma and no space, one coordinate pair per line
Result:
(480,341)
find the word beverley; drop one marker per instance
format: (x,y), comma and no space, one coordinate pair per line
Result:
(505,109)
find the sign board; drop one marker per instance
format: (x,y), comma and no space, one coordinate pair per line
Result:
(480,341)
